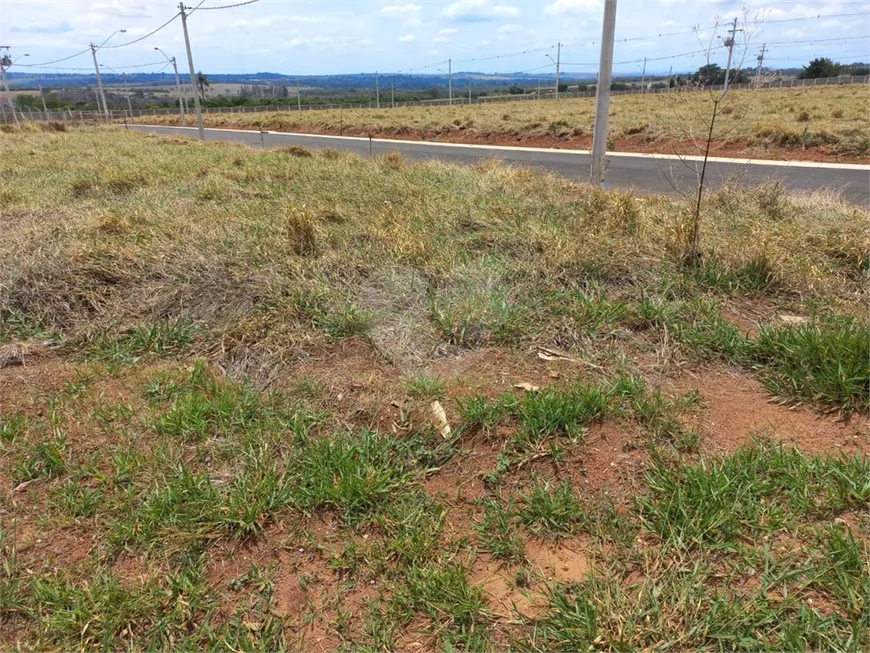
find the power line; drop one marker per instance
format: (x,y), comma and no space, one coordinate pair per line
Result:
(141,38)
(144,65)
(190,13)
(141,65)
(842,38)
(46,63)
(816,17)
(411,70)
(240,4)
(751,22)
(530,70)
(504,56)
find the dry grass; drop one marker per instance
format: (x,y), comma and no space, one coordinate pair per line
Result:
(258,245)
(826,121)
(151,500)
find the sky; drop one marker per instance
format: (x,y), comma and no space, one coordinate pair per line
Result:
(352,36)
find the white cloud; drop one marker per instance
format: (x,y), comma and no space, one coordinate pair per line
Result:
(445,34)
(408,38)
(122,9)
(408,12)
(560,7)
(508,29)
(478,10)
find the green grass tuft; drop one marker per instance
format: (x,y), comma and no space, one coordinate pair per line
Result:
(826,362)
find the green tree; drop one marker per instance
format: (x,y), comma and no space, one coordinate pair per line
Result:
(710,75)
(26,101)
(516,90)
(203,83)
(821,67)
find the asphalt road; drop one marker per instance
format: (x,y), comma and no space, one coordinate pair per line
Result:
(641,173)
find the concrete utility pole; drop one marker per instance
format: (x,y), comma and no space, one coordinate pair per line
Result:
(760,64)
(377,90)
(392,95)
(5,62)
(557,62)
(643,77)
(469,90)
(42,97)
(197,108)
(602,93)
(101,96)
(127,92)
(729,43)
(450,80)
(298,96)
(177,87)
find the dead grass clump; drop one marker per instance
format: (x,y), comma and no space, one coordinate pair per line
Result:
(772,201)
(331,154)
(54,126)
(125,181)
(113,225)
(83,185)
(212,191)
(611,209)
(8,197)
(803,116)
(300,233)
(837,114)
(641,128)
(296,150)
(393,161)
(119,182)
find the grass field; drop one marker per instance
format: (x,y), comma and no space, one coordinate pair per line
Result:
(825,123)
(218,372)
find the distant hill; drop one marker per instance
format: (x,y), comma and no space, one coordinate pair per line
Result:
(23,80)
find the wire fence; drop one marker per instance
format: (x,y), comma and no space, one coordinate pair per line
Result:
(90,116)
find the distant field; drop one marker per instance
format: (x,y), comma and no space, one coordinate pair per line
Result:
(278,400)
(827,123)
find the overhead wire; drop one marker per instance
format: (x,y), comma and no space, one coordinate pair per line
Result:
(842,38)
(751,22)
(238,4)
(141,38)
(47,63)
(144,65)
(504,56)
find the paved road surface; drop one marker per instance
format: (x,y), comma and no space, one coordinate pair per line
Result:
(643,173)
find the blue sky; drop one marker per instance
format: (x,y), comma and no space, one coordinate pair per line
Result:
(350,36)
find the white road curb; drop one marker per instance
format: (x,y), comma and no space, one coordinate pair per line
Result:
(510,148)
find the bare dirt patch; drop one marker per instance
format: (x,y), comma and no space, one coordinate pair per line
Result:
(55,549)
(505,597)
(739,407)
(611,463)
